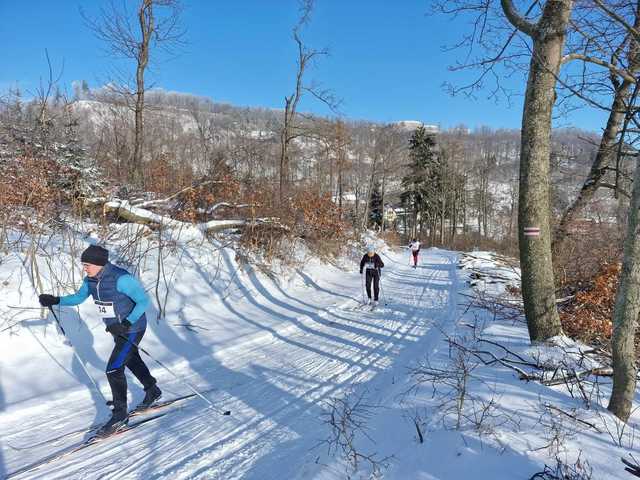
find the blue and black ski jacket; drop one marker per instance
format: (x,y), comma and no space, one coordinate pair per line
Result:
(117,286)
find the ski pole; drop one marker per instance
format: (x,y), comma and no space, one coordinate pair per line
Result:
(211,405)
(382,291)
(95,385)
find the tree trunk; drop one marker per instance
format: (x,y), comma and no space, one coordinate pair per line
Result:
(625,314)
(285,135)
(538,292)
(454,213)
(442,215)
(485,203)
(145,18)
(382,188)
(465,228)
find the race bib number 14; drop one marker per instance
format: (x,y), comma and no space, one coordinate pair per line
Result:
(105,309)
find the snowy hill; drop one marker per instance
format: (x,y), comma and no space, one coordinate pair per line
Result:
(318,387)
(411,125)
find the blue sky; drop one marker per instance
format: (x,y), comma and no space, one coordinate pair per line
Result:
(386,60)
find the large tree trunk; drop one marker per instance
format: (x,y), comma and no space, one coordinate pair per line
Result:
(625,314)
(533,209)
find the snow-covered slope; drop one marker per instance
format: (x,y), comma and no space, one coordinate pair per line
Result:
(272,354)
(289,359)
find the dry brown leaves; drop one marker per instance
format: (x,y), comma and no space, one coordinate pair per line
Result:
(588,316)
(27,187)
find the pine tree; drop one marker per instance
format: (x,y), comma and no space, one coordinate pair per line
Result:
(421,185)
(375,206)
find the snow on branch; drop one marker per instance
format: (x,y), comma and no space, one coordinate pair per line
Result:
(136,214)
(162,201)
(597,61)
(229,205)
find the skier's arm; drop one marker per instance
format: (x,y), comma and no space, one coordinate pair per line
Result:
(78,297)
(362,263)
(132,288)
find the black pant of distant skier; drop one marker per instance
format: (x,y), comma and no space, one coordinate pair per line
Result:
(373,275)
(372,263)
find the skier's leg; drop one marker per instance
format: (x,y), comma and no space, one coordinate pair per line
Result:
(139,368)
(368,285)
(376,286)
(141,371)
(122,351)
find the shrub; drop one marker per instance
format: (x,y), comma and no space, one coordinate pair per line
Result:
(28,190)
(589,313)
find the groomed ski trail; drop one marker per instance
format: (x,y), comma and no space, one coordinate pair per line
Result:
(307,346)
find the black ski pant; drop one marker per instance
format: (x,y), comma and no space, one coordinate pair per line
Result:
(125,354)
(374,275)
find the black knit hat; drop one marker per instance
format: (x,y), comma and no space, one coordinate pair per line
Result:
(95,255)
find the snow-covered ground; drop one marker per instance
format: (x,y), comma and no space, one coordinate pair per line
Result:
(318,388)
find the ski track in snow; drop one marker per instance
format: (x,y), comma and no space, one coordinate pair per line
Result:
(308,345)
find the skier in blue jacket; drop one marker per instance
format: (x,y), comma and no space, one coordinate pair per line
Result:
(121,301)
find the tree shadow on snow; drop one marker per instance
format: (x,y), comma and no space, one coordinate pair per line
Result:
(3,406)
(281,403)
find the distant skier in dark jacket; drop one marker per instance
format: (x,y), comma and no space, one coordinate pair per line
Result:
(121,301)
(372,264)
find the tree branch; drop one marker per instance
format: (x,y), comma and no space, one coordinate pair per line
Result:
(618,19)
(597,61)
(518,20)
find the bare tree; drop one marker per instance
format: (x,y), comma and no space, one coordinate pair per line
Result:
(622,77)
(548,38)
(290,129)
(154,30)
(542,43)
(626,312)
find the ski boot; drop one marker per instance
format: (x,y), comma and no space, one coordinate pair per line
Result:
(115,423)
(152,394)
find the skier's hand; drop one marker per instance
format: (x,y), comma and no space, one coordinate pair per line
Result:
(118,329)
(47,300)
(360,272)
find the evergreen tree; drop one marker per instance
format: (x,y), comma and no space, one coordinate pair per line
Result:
(421,184)
(375,206)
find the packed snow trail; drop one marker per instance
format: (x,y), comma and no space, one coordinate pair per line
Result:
(276,357)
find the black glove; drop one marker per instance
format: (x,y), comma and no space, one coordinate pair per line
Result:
(118,329)
(47,300)
(360,272)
